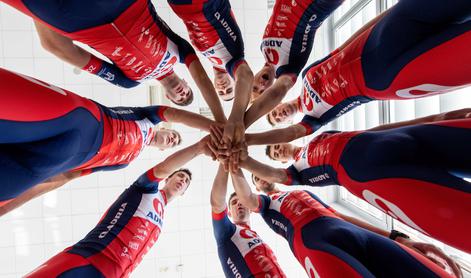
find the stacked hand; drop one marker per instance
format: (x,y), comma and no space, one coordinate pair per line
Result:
(229,151)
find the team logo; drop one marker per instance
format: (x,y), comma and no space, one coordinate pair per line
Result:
(247,234)
(311,271)
(390,209)
(159,208)
(272,56)
(425,90)
(307,101)
(215,60)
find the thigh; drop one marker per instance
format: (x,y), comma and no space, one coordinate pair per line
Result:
(65,265)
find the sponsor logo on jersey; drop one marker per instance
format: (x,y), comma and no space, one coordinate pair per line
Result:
(233,268)
(425,90)
(252,236)
(319,178)
(307,30)
(349,107)
(271,56)
(280,225)
(158,214)
(114,221)
(226,26)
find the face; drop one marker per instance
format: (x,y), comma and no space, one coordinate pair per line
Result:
(262,185)
(224,86)
(238,212)
(165,139)
(178,183)
(179,92)
(282,152)
(283,113)
(262,80)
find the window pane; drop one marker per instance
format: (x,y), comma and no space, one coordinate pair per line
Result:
(358,20)
(343,9)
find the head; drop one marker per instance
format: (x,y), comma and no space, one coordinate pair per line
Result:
(263,80)
(262,185)
(177,183)
(282,113)
(177,90)
(238,212)
(281,152)
(165,139)
(224,85)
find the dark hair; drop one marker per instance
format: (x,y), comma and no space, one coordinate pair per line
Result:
(253,179)
(187,102)
(184,170)
(267,152)
(230,198)
(269,120)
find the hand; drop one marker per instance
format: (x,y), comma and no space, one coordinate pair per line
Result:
(455,115)
(205,148)
(234,133)
(434,254)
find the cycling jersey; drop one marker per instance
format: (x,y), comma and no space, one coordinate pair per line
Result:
(125,233)
(408,172)
(383,63)
(328,246)
(213,31)
(46,130)
(289,34)
(241,251)
(128,32)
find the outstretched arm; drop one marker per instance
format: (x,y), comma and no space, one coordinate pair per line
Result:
(235,128)
(243,191)
(276,136)
(268,100)
(188,118)
(219,190)
(180,158)
(452,115)
(203,82)
(65,49)
(263,171)
(38,190)
(428,250)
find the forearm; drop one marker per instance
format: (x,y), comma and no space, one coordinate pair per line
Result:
(427,119)
(38,190)
(363,224)
(177,160)
(204,84)
(268,100)
(264,171)
(276,136)
(61,46)
(243,86)
(219,190)
(243,191)
(188,118)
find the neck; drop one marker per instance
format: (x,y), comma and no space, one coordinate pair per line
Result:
(296,103)
(168,195)
(171,80)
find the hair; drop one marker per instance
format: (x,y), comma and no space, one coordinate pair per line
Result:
(233,194)
(253,179)
(269,120)
(187,102)
(184,170)
(267,151)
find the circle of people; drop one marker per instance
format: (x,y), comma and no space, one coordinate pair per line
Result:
(413,171)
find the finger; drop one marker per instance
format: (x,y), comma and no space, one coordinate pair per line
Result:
(215,132)
(218,130)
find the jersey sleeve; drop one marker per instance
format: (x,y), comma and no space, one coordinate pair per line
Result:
(263,203)
(155,113)
(223,228)
(148,182)
(310,123)
(293,176)
(186,52)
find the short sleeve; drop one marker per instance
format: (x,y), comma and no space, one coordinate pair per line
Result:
(148,182)
(310,123)
(223,228)
(293,176)
(155,113)
(263,203)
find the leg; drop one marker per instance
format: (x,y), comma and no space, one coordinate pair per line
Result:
(409,168)
(380,256)
(66,265)
(411,38)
